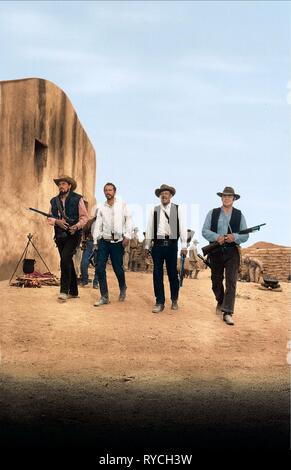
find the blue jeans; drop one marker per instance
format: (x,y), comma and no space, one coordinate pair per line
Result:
(86,261)
(115,251)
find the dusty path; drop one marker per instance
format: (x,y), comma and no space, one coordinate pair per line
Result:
(72,365)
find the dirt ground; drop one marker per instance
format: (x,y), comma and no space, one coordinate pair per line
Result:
(121,364)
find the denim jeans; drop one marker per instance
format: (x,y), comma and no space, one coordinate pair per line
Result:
(115,251)
(86,261)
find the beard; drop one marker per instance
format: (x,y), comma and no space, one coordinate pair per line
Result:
(63,192)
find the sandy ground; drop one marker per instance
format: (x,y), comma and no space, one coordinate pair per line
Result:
(121,352)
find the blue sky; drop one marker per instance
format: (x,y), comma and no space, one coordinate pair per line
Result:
(192,94)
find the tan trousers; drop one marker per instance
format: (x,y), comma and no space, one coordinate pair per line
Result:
(254,273)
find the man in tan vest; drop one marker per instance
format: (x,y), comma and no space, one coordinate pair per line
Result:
(133,245)
(193,259)
(255,268)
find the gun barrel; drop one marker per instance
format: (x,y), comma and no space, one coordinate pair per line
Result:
(212,246)
(40,212)
(251,229)
(204,260)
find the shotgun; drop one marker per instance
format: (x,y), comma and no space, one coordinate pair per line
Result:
(214,245)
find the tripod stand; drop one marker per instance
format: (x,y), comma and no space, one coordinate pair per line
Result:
(29,236)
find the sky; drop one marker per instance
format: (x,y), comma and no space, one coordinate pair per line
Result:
(190,94)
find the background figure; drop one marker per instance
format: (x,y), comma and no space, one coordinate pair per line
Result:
(146,259)
(243,274)
(77,258)
(193,259)
(87,246)
(126,258)
(255,268)
(133,245)
(140,257)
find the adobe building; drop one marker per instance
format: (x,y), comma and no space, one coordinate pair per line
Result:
(41,138)
(276,259)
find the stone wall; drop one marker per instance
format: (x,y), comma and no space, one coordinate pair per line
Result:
(276,261)
(41,138)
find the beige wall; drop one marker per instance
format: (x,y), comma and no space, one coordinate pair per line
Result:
(276,261)
(34,110)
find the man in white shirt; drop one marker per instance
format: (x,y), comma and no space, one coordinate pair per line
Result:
(112,231)
(165,226)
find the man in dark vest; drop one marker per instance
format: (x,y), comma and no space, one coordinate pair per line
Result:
(222,225)
(165,226)
(69,215)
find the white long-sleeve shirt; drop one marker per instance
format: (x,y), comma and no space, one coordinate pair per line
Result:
(163,228)
(115,219)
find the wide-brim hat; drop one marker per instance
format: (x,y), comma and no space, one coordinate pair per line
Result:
(165,187)
(68,180)
(228,191)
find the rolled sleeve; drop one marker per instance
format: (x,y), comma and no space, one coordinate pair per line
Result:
(127,223)
(206,232)
(51,220)
(149,230)
(96,232)
(83,215)
(182,228)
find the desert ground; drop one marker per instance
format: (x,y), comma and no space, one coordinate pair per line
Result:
(73,374)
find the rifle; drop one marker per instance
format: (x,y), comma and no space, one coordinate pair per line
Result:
(212,246)
(59,232)
(182,270)
(251,229)
(40,212)
(205,261)
(67,219)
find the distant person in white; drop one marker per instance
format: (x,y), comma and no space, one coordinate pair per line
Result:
(165,226)
(112,232)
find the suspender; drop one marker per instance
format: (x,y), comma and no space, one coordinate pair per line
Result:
(155,225)
(168,219)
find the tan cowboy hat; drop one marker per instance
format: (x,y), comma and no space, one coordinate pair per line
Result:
(68,180)
(228,191)
(165,187)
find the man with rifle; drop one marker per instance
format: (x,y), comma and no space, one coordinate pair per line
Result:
(221,228)
(68,215)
